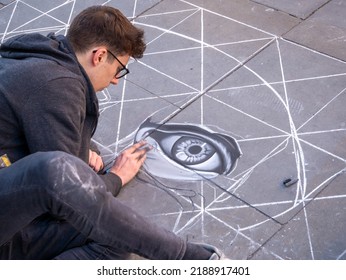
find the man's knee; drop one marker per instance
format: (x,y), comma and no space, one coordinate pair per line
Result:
(56,173)
(58,167)
(54,161)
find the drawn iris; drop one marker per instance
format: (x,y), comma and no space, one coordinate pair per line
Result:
(186,151)
(192,150)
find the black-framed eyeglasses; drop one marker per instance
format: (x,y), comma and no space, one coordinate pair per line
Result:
(123,71)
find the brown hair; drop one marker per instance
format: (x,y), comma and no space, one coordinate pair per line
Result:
(104,25)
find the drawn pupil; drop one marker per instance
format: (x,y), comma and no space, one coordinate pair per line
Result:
(195,149)
(192,150)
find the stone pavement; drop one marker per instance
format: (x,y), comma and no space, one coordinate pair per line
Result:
(271,75)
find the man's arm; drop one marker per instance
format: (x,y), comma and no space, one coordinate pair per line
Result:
(128,163)
(53,120)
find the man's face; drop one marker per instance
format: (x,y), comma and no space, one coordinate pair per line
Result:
(106,72)
(111,70)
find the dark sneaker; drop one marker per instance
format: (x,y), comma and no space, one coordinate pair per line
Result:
(216,253)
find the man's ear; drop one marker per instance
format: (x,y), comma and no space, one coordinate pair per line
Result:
(99,55)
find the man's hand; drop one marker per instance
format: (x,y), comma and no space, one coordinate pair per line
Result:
(128,163)
(95,161)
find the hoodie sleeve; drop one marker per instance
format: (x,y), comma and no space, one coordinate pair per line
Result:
(113,183)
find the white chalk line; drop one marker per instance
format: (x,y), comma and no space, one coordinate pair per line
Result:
(32,20)
(322,108)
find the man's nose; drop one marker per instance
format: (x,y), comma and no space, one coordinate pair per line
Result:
(114,81)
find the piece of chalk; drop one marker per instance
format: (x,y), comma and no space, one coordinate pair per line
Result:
(286,181)
(290,182)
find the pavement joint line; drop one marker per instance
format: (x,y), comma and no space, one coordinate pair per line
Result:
(292,15)
(317,9)
(146,10)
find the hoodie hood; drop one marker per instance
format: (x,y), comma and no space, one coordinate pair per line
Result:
(56,49)
(50,47)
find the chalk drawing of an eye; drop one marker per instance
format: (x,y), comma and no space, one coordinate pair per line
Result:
(187,151)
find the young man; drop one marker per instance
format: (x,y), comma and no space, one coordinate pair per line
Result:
(53,204)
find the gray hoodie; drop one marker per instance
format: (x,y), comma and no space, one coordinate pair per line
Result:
(47,102)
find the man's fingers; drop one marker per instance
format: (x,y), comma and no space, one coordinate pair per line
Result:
(95,161)
(138,150)
(142,156)
(129,162)
(139,145)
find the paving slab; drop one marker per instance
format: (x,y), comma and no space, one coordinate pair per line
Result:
(6,2)
(299,8)
(252,14)
(324,31)
(308,235)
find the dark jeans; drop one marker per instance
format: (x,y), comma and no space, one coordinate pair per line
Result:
(52,205)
